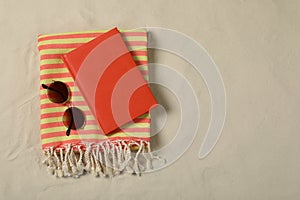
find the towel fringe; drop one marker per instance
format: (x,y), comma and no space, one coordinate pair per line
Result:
(108,158)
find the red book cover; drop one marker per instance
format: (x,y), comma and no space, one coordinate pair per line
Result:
(111,83)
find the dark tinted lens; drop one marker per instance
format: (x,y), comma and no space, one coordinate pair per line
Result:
(58,92)
(75,117)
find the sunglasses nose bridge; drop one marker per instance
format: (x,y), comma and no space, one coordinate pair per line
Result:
(68,103)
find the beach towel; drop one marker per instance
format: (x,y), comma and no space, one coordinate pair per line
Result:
(86,151)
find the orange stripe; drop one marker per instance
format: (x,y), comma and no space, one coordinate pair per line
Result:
(62,133)
(67,75)
(69,84)
(137,120)
(138,53)
(142,120)
(76,93)
(60,114)
(136,129)
(86,112)
(60,123)
(90,122)
(137,62)
(52,125)
(54,105)
(55,76)
(53,66)
(81,141)
(58,46)
(69,36)
(87,35)
(75,45)
(56,56)
(49,115)
(90,132)
(50,56)
(61,65)
(136,43)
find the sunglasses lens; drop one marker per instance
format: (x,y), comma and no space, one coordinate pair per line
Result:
(58,92)
(73,117)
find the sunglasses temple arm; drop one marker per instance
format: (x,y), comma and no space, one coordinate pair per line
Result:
(70,126)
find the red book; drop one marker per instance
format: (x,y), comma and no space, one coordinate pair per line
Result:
(111,83)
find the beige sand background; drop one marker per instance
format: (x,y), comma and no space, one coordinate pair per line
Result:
(256,46)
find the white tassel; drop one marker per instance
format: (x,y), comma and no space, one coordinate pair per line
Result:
(64,160)
(148,162)
(119,155)
(103,159)
(87,158)
(58,171)
(136,166)
(101,172)
(115,167)
(127,158)
(51,167)
(72,159)
(93,169)
(96,162)
(129,166)
(80,163)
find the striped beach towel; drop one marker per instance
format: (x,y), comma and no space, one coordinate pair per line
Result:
(126,149)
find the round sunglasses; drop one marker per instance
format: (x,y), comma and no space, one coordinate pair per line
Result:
(58,92)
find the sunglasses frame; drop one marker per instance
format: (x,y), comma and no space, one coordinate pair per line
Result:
(67,103)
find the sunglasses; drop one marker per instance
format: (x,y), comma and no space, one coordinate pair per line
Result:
(59,93)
